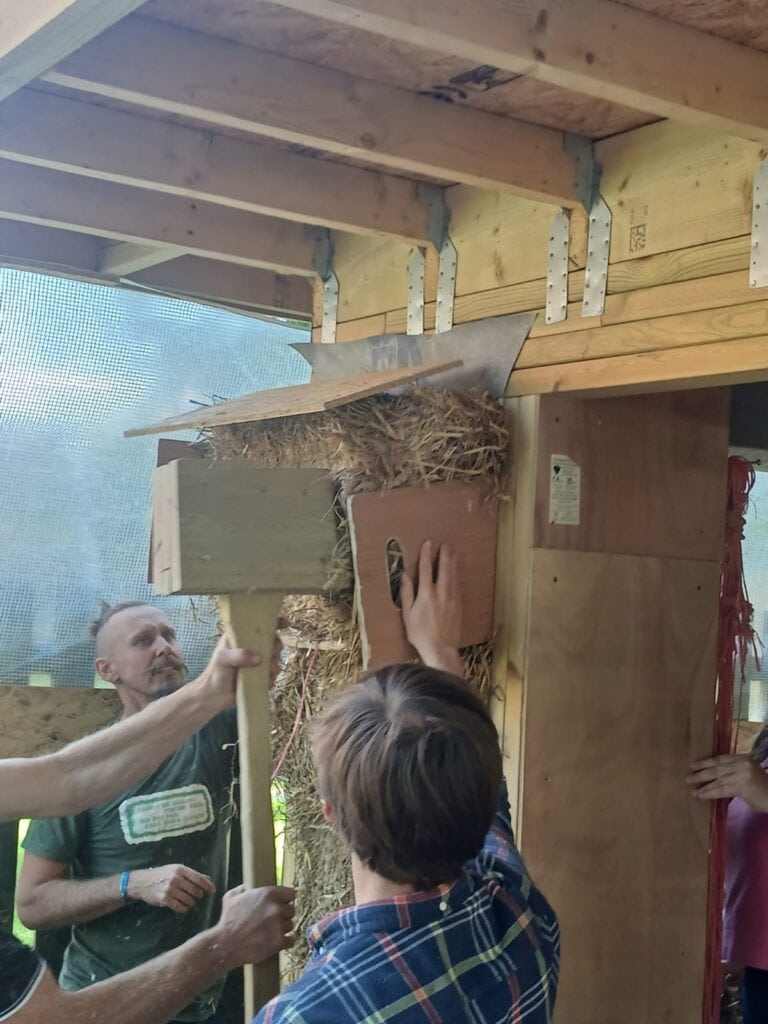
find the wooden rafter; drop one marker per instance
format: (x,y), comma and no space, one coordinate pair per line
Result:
(224,83)
(40,196)
(229,284)
(37,34)
(29,246)
(597,47)
(114,145)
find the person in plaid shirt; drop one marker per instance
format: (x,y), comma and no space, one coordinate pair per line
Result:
(447,926)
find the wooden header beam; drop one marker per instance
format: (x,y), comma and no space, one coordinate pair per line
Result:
(126,148)
(597,47)
(164,68)
(36,35)
(40,196)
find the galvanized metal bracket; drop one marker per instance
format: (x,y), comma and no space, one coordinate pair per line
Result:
(414,314)
(438,214)
(330,309)
(557,268)
(598,252)
(587,186)
(446,285)
(758,257)
(323,264)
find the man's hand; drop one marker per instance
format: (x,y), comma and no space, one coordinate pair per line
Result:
(174,886)
(218,680)
(432,614)
(255,924)
(730,775)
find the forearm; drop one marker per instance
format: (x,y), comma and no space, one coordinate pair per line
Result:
(150,994)
(100,766)
(66,901)
(446,659)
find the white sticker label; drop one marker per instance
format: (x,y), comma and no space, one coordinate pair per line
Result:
(175,812)
(564,491)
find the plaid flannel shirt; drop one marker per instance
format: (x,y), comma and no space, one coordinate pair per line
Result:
(483,950)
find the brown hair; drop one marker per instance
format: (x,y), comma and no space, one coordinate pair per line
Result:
(409,760)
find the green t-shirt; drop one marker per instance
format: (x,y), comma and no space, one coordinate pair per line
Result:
(180,814)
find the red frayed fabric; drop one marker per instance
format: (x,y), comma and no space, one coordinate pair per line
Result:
(735,639)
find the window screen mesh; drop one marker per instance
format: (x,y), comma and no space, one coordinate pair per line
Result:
(79,364)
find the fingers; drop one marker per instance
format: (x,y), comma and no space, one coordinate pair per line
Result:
(235,657)
(447,573)
(721,759)
(426,578)
(406,592)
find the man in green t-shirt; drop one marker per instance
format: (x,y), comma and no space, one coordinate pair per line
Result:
(142,873)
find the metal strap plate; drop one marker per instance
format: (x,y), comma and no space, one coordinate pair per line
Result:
(414,317)
(330,309)
(557,268)
(758,262)
(446,286)
(598,251)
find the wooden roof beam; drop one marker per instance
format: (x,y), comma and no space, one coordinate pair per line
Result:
(172,70)
(119,259)
(597,47)
(114,145)
(31,246)
(35,36)
(230,285)
(37,195)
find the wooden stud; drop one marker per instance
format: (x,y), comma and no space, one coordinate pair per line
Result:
(37,35)
(227,84)
(39,196)
(250,621)
(696,366)
(126,148)
(603,49)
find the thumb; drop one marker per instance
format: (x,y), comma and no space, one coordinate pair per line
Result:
(406,592)
(236,657)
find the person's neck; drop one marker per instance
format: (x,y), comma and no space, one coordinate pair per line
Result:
(133,702)
(370,887)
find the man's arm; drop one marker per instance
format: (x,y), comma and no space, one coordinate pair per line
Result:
(99,767)
(728,776)
(254,925)
(46,896)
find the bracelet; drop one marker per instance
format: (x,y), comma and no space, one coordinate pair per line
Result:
(124,887)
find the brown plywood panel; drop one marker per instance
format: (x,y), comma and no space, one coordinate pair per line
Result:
(652,473)
(619,699)
(460,514)
(297,400)
(39,720)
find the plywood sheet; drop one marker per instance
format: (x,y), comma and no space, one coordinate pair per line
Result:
(652,473)
(460,514)
(620,698)
(298,400)
(38,720)
(224,527)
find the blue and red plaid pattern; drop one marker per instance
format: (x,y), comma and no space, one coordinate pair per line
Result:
(484,950)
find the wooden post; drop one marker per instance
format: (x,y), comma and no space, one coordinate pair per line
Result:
(250,620)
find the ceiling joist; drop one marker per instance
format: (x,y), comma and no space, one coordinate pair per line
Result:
(597,47)
(176,71)
(35,247)
(35,36)
(130,149)
(41,196)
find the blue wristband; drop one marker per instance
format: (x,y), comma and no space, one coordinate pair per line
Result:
(124,886)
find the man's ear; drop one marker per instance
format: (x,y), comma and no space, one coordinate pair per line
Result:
(328,814)
(104,667)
